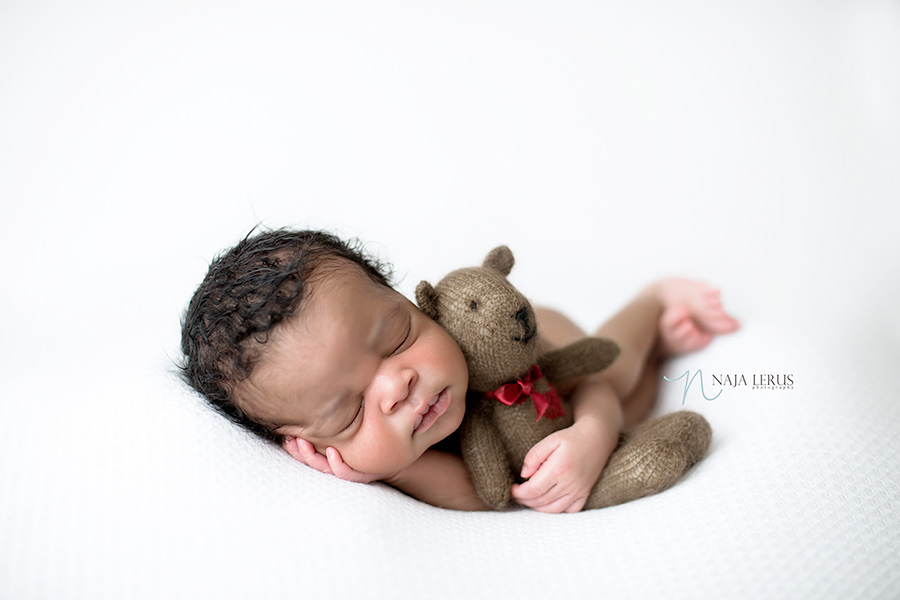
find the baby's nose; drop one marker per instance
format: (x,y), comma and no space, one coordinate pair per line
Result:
(396,389)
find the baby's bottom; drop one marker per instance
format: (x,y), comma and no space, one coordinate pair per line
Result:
(669,317)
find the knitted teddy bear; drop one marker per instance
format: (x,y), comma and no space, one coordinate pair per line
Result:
(512,400)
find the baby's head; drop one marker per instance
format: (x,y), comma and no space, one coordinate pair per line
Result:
(297,334)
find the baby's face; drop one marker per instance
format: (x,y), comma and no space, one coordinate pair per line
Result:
(361,369)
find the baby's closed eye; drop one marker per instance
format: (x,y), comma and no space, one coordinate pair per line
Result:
(357,416)
(405,337)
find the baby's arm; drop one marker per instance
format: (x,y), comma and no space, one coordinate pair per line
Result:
(440,479)
(436,477)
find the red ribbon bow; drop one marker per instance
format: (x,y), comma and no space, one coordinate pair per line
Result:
(518,392)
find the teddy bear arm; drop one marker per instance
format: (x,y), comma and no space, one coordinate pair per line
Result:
(486,458)
(572,362)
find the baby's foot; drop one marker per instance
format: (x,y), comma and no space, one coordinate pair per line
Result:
(692,314)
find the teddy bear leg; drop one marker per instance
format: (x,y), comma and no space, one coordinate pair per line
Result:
(689,428)
(637,469)
(651,458)
(486,458)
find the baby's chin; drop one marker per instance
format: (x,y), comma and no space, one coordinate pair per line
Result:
(386,469)
(383,466)
(389,466)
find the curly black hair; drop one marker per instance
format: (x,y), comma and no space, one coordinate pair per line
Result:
(248,290)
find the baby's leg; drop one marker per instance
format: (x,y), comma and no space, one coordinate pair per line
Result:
(634,329)
(672,316)
(637,405)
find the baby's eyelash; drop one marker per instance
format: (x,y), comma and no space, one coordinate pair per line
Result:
(359,411)
(405,338)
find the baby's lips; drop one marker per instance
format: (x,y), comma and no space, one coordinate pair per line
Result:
(433,410)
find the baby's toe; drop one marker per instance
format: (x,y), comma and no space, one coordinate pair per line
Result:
(717,321)
(679,332)
(712,297)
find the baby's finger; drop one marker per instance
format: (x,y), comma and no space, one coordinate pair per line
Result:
(538,453)
(313,458)
(535,503)
(336,462)
(533,490)
(576,506)
(342,469)
(557,505)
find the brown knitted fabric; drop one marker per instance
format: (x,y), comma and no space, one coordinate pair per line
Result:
(494,325)
(478,307)
(651,458)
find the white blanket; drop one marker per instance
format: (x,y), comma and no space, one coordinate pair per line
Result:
(753,145)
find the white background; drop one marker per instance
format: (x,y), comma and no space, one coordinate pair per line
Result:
(755,145)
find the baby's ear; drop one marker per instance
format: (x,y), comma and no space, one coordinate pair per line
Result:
(426,298)
(500,259)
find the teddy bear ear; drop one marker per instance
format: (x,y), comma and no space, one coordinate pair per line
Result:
(426,298)
(500,259)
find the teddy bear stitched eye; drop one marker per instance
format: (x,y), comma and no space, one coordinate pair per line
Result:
(473,305)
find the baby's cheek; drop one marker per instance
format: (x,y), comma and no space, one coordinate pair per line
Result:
(377,453)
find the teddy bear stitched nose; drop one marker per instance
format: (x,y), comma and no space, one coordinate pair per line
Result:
(523,316)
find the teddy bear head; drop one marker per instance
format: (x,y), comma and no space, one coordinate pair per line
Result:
(493,323)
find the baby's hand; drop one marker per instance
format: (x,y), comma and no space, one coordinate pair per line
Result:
(563,467)
(331,462)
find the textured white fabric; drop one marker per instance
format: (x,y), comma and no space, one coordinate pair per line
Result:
(797,498)
(754,145)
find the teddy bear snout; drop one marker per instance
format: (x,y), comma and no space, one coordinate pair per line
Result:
(525,317)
